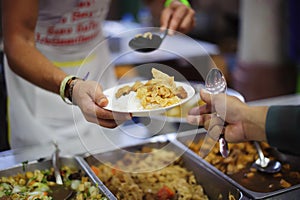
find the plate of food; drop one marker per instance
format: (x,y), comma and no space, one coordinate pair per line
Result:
(150,97)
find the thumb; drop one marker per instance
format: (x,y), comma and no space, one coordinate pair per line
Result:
(205,96)
(99,98)
(102,101)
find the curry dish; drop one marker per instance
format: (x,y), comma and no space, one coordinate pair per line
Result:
(238,166)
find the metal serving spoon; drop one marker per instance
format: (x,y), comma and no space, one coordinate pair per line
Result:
(147,44)
(263,163)
(59,191)
(215,83)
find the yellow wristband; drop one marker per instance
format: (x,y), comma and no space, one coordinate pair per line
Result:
(185,2)
(63,88)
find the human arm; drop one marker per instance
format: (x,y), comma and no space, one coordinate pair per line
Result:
(277,125)
(19,22)
(282,128)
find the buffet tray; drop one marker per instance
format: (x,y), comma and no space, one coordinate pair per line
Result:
(214,185)
(45,163)
(293,192)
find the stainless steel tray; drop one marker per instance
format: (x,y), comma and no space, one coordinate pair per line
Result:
(293,192)
(44,163)
(213,184)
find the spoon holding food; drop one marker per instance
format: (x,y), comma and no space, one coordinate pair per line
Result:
(147,42)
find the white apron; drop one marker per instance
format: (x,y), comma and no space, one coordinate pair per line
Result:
(67,33)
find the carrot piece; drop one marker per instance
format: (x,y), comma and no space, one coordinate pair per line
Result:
(95,170)
(165,193)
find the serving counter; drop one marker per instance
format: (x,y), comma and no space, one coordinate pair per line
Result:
(15,157)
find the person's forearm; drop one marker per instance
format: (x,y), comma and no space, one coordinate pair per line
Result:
(26,61)
(19,20)
(254,122)
(282,128)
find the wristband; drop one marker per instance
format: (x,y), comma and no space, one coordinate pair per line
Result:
(184,2)
(62,88)
(69,88)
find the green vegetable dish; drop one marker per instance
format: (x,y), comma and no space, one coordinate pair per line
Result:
(36,185)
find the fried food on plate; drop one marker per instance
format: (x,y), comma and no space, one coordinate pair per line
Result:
(160,91)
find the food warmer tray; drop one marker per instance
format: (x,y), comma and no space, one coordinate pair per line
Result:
(183,138)
(45,163)
(213,184)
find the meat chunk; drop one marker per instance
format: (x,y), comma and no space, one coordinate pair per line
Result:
(123,91)
(181,93)
(136,86)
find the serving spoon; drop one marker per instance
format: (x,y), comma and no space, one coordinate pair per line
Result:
(215,83)
(263,163)
(147,44)
(59,191)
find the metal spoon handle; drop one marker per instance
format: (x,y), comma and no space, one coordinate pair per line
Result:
(165,33)
(263,160)
(259,151)
(55,163)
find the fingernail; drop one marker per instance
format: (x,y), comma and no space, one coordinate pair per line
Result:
(204,90)
(102,101)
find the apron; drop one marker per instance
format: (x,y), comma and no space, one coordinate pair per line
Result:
(69,34)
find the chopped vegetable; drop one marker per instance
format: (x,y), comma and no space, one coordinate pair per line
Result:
(95,170)
(165,193)
(35,185)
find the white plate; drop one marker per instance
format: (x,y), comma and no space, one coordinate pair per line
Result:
(131,104)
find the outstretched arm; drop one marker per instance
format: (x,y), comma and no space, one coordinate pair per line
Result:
(19,22)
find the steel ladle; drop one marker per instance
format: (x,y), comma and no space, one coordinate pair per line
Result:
(147,44)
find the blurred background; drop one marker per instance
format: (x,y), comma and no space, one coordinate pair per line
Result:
(255,43)
(257,40)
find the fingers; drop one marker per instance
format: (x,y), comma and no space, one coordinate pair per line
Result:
(204,109)
(165,18)
(177,17)
(188,22)
(199,115)
(91,100)
(205,96)
(105,118)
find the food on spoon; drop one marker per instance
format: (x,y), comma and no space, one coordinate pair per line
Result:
(145,35)
(161,91)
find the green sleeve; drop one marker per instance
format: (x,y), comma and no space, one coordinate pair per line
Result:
(283,128)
